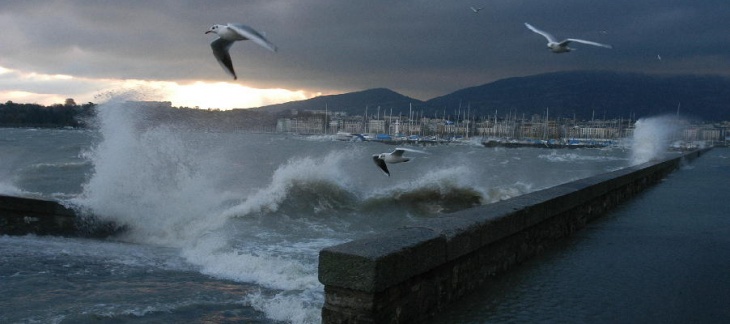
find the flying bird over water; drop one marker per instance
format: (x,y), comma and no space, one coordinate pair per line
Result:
(230,33)
(393,157)
(562,46)
(476,10)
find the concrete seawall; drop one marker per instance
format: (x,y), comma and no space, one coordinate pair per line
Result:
(21,216)
(409,274)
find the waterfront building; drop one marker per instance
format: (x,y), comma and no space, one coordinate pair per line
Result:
(536,127)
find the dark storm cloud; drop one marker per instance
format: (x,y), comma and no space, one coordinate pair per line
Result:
(420,48)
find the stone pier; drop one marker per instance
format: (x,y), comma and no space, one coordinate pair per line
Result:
(409,274)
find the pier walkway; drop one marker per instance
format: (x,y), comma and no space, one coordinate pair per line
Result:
(662,257)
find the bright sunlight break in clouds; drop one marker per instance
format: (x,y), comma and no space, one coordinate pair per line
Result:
(198,94)
(226,95)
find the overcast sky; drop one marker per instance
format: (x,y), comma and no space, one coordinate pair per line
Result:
(50,50)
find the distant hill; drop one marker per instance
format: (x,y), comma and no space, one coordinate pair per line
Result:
(353,103)
(603,93)
(583,94)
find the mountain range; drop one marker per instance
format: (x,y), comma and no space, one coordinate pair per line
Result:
(577,94)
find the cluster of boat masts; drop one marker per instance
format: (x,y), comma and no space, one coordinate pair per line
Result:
(487,142)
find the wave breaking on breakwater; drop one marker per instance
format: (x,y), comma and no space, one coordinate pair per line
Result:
(652,137)
(257,209)
(258,212)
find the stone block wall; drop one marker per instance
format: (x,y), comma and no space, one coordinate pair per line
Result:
(21,216)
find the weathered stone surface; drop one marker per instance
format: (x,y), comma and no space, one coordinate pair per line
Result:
(375,263)
(21,216)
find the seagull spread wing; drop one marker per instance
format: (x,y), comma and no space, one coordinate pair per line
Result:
(409,150)
(549,37)
(252,34)
(220,48)
(381,164)
(586,42)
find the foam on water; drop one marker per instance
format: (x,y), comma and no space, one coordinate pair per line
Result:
(290,308)
(435,191)
(146,177)
(561,157)
(652,137)
(296,172)
(217,257)
(290,290)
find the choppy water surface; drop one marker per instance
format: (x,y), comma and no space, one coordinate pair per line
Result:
(224,226)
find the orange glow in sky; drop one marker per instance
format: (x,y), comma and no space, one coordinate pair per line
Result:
(197,94)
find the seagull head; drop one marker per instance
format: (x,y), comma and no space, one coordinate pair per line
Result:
(214,29)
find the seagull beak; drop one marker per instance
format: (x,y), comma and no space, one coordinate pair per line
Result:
(208,32)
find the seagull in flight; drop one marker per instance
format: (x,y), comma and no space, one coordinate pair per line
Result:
(393,157)
(227,35)
(562,46)
(476,10)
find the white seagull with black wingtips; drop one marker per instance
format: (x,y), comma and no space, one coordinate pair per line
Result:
(230,33)
(393,157)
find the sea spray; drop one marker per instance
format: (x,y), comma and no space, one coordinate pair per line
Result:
(652,137)
(432,192)
(146,178)
(264,250)
(297,172)
(11,190)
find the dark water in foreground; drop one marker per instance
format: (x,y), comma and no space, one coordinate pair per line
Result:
(663,257)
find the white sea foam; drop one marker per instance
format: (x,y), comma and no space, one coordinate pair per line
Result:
(288,274)
(506,192)
(61,165)
(146,177)
(442,180)
(652,137)
(561,157)
(216,257)
(289,308)
(295,171)
(149,179)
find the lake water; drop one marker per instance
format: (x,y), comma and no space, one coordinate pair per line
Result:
(227,227)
